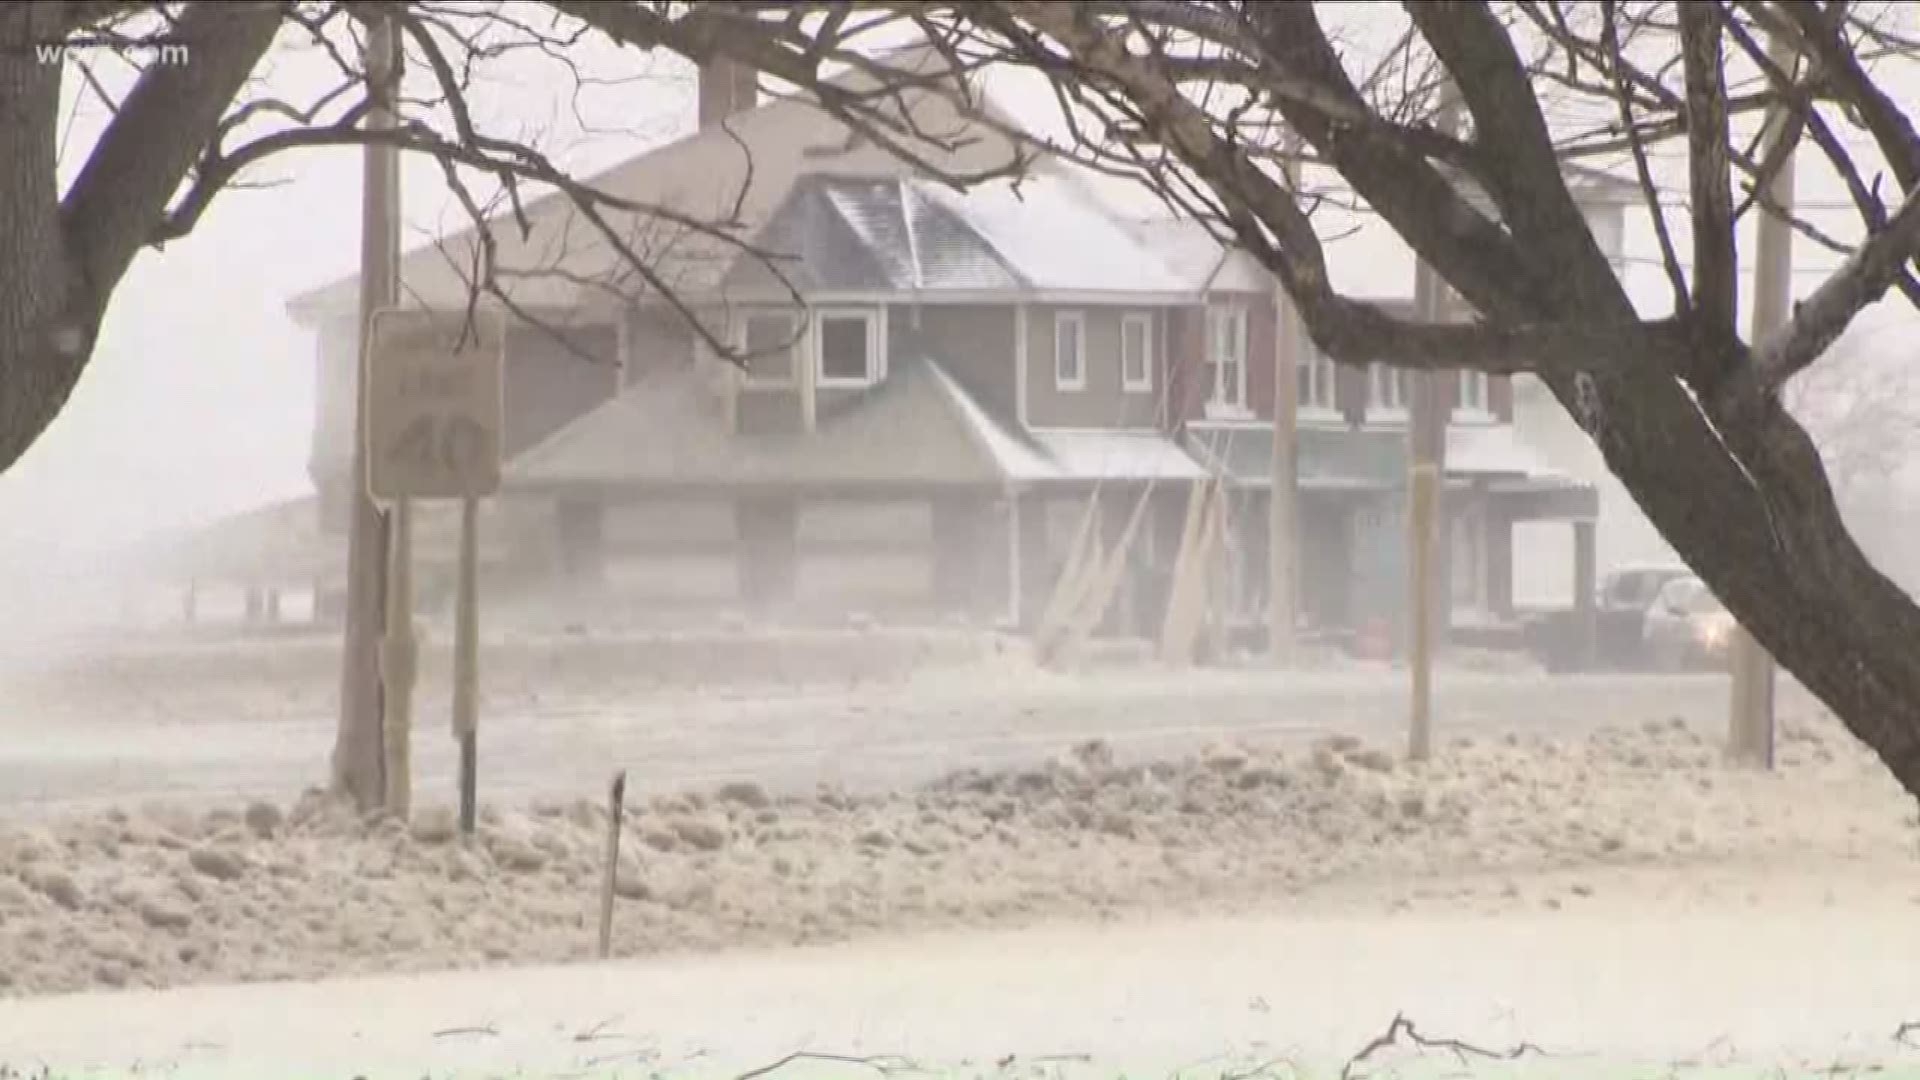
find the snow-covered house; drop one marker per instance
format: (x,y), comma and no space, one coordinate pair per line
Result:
(939,383)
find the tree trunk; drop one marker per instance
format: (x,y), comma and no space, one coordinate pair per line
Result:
(1775,550)
(35,376)
(60,258)
(1732,482)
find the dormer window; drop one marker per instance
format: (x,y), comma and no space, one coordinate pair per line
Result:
(1476,399)
(1387,392)
(848,346)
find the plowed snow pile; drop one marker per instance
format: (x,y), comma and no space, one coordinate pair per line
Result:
(158,898)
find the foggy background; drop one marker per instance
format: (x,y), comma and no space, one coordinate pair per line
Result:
(198,402)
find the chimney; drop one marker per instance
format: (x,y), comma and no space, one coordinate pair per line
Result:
(727,88)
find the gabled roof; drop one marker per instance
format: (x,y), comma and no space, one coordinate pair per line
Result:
(854,234)
(670,431)
(918,429)
(910,235)
(705,176)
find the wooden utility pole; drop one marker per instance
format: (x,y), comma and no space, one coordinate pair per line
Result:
(399,652)
(359,742)
(1283,489)
(1427,416)
(1750,733)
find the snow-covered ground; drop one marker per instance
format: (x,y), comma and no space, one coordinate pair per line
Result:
(979,860)
(151,895)
(1599,988)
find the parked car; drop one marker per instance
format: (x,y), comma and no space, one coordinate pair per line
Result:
(1620,608)
(1687,628)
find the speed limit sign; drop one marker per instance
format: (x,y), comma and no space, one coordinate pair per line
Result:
(434,404)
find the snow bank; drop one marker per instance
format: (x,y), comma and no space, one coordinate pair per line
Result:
(156,897)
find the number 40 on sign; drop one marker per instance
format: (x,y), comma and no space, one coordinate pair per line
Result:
(434,404)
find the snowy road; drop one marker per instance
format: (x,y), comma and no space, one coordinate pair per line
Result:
(1599,992)
(215,741)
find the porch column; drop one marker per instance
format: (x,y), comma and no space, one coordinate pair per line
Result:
(1585,581)
(1446,506)
(1112,526)
(273,606)
(1499,525)
(766,549)
(1166,521)
(1030,544)
(256,606)
(583,540)
(959,532)
(1010,541)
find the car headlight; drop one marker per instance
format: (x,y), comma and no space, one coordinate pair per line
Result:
(1713,634)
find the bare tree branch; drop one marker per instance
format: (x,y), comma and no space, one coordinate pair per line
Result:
(1403,1030)
(1650,193)
(137,166)
(1819,320)
(1527,186)
(1715,292)
(1892,129)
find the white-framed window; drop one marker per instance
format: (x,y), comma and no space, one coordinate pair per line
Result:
(1069,350)
(847,347)
(1475,399)
(768,339)
(1318,381)
(1136,352)
(1388,391)
(1227,360)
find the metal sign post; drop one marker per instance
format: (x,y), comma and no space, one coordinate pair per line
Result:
(466,661)
(1424,484)
(435,408)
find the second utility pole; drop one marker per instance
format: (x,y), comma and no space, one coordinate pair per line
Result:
(1427,416)
(1750,710)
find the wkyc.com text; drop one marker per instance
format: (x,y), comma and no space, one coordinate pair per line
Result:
(143,53)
